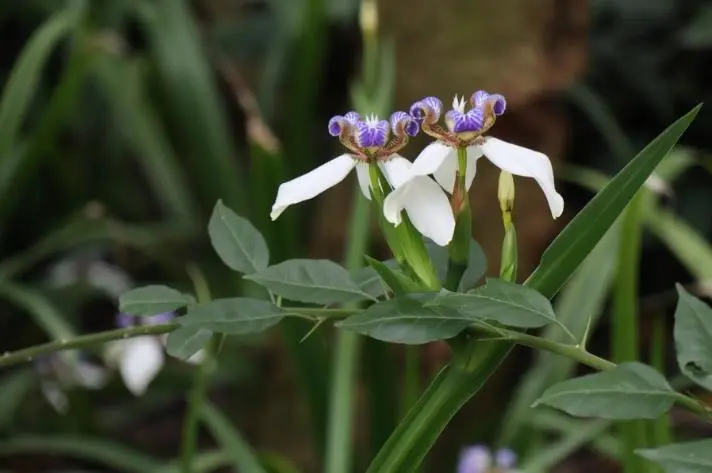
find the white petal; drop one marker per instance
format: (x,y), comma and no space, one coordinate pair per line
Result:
(432,158)
(473,154)
(313,183)
(397,170)
(525,162)
(364,180)
(141,361)
(427,206)
(429,209)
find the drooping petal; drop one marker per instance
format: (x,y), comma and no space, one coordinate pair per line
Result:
(427,206)
(313,183)
(473,154)
(141,360)
(434,156)
(397,170)
(364,180)
(525,162)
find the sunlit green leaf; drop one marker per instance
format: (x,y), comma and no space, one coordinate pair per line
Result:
(629,391)
(693,338)
(237,242)
(238,315)
(312,281)
(152,300)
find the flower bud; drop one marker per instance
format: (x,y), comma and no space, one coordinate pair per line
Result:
(505,192)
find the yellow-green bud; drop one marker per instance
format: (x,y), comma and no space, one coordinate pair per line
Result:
(505,191)
(368,18)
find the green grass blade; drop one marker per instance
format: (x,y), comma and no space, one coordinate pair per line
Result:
(20,89)
(45,314)
(142,129)
(192,101)
(579,237)
(230,440)
(83,448)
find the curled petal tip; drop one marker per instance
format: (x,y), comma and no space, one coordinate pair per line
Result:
(427,110)
(404,124)
(498,103)
(337,125)
(352,117)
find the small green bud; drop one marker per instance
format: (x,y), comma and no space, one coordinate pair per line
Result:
(505,191)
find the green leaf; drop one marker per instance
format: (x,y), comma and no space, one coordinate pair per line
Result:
(688,457)
(500,301)
(23,83)
(152,300)
(238,315)
(106,453)
(629,391)
(230,440)
(574,243)
(404,320)
(476,267)
(369,281)
(14,388)
(392,277)
(311,281)
(46,314)
(693,338)
(238,243)
(184,342)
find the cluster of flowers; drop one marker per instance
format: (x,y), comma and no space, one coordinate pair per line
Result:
(371,149)
(479,459)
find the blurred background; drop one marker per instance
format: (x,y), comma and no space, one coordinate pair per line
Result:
(123,121)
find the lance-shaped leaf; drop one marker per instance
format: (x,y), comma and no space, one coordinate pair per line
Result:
(238,243)
(237,315)
(693,338)
(152,300)
(688,457)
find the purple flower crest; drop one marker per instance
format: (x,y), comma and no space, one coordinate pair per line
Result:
(372,132)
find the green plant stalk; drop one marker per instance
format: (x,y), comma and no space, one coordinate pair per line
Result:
(660,432)
(197,395)
(510,254)
(411,378)
(339,449)
(459,248)
(625,325)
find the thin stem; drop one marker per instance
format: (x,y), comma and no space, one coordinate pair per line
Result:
(411,378)
(28,354)
(196,398)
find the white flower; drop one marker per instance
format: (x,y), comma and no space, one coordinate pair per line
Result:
(440,160)
(139,360)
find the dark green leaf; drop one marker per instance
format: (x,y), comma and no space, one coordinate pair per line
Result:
(688,457)
(629,391)
(152,300)
(500,301)
(237,242)
(393,278)
(312,281)
(404,320)
(580,236)
(370,282)
(184,342)
(476,267)
(238,315)
(693,338)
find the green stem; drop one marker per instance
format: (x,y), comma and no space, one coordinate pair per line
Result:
(624,324)
(196,398)
(411,378)
(343,388)
(459,248)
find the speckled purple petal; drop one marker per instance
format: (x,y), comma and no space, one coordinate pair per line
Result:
(337,124)
(505,458)
(372,134)
(125,320)
(478,98)
(429,107)
(475,459)
(471,121)
(402,122)
(352,117)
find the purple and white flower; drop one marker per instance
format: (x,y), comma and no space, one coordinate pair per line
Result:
(369,142)
(466,129)
(62,372)
(478,459)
